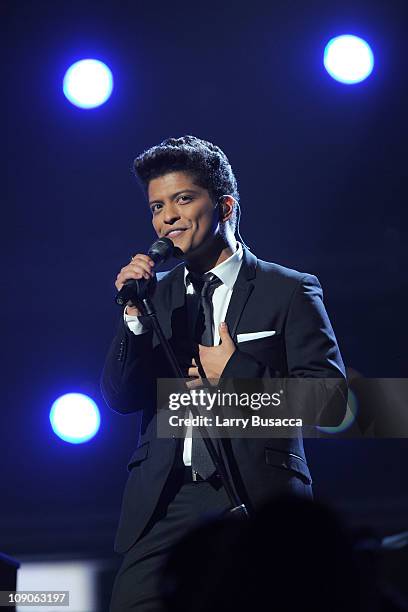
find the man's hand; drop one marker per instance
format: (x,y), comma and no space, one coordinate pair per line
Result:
(196,380)
(140,266)
(213,359)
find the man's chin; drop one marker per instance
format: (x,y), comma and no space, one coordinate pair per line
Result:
(181,251)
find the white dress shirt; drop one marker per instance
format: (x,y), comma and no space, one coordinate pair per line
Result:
(227,272)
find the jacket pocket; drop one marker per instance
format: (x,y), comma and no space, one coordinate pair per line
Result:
(271,340)
(288,461)
(248,336)
(139,455)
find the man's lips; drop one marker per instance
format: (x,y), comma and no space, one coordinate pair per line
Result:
(175,232)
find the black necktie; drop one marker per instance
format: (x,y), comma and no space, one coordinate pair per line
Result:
(204,286)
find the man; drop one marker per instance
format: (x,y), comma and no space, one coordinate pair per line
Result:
(267,321)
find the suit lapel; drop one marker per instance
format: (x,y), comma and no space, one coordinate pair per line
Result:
(242,290)
(172,296)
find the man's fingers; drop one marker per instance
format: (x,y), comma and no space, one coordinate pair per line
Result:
(133,270)
(194,383)
(196,380)
(141,257)
(140,266)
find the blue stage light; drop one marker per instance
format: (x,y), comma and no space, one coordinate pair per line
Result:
(349,418)
(348,59)
(88,83)
(75,418)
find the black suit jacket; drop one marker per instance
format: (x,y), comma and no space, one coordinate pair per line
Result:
(266,296)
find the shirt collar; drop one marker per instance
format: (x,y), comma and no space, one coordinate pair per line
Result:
(227,271)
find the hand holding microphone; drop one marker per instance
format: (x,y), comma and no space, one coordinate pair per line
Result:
(133,280)
(140,266)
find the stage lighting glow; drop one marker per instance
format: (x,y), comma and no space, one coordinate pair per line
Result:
(348,59)
(349,418)
(75,418)
(88,83)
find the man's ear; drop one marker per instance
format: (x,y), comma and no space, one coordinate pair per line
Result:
(227,203)
(221,209)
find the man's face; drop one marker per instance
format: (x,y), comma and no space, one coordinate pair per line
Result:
(182,211)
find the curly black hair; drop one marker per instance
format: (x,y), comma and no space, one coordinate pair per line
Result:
(206,162)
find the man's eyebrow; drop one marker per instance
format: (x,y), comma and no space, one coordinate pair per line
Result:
(172,197)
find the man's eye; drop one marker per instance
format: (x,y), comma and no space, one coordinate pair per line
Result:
(152,208)
(185,197)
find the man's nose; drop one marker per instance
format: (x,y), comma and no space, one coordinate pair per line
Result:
(171,213)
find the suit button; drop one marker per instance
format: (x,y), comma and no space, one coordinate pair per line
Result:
(121,350)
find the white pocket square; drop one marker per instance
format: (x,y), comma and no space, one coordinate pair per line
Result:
(254,335)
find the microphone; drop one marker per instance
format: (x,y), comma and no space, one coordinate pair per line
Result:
(160,251)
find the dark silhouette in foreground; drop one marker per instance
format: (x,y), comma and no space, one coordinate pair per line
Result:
(294,555)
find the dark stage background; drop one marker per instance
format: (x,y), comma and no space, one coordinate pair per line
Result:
(322,173)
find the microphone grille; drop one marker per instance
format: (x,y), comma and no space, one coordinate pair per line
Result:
(162,249)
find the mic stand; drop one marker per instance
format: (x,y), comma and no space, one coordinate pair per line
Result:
(238,509)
